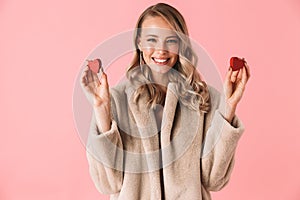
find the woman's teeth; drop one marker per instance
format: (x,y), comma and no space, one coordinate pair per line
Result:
(160,61)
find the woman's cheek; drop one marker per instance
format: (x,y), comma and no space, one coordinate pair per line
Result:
(147,56)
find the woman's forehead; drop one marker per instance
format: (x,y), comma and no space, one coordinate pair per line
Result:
(158,32)
(156,21)
(157,26)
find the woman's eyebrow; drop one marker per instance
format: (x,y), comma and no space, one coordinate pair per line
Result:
(173,36)
(151,35)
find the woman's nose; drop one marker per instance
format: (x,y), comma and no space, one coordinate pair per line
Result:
(161,46)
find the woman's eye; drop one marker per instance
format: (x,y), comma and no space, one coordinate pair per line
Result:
(151,40)
(173,41)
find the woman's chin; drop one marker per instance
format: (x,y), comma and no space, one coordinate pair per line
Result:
(161,69)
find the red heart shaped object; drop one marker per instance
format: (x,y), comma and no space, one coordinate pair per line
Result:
(95,65)
(236,63)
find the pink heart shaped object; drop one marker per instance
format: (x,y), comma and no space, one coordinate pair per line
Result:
(95,65)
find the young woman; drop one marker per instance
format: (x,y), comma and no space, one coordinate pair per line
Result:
(163,133)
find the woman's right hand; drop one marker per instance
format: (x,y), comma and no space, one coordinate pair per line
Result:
(97,92)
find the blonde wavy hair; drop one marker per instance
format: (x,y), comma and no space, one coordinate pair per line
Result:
(193,92)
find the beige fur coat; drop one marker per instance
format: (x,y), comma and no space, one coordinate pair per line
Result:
(190,155)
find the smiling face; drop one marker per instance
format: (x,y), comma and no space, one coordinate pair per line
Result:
(159,44)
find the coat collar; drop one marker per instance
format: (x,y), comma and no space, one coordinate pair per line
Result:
(145,117)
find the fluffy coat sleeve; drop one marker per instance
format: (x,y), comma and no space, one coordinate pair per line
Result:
(105,157)
(220,142)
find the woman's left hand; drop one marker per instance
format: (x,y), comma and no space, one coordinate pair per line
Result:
(234,87)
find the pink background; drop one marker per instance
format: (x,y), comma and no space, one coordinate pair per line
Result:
(43,44)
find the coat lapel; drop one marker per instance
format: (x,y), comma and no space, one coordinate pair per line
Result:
(181,126)
(169,114)
(145,117)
